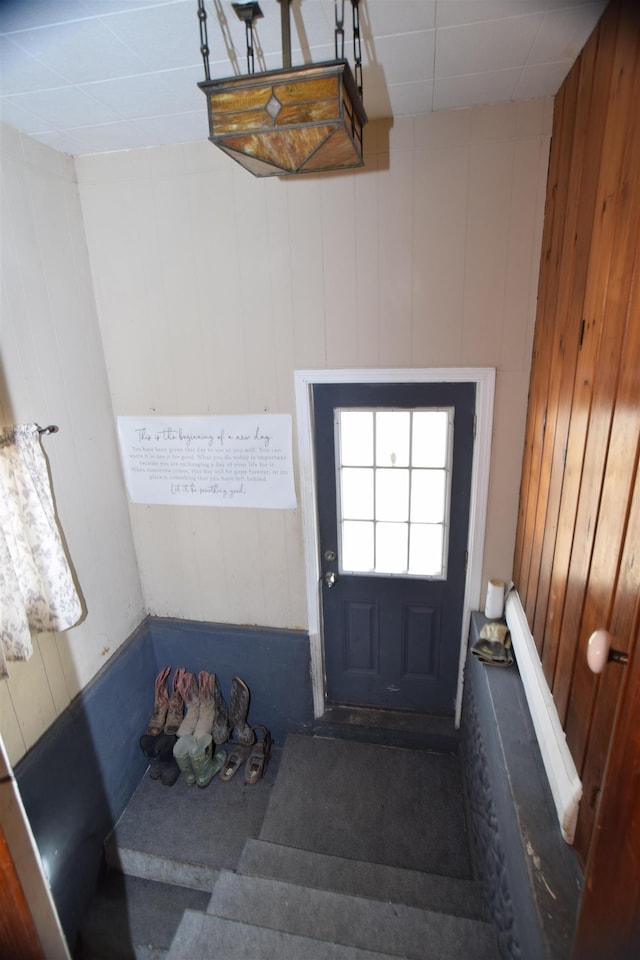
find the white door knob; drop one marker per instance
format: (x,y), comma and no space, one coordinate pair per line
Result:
(599,651)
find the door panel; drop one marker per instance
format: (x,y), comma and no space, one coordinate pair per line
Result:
(393,639)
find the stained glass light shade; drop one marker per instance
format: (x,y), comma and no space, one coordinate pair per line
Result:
(305,119)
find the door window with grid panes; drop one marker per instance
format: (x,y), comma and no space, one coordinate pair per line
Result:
(394,479)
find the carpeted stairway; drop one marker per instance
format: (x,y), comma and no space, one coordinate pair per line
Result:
(354,850)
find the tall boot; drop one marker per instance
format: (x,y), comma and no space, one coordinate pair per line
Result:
(175,707)
(161,703)
(148,746)
(181,752)
(204,762)
(169,769)
(207,706)
(188,688)
(238,711)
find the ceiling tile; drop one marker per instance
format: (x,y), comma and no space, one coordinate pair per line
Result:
(183,128)
(141,96)
(18,15)
(64,107)
(452,13)
(481,47)
(108,136)
(450,93)
(64,142)
(163,38)
(407,58)
(20,73)
(183,83)
(564,33)
(383,18)
(411,99)
(81,51)
(20,118)
(540,80)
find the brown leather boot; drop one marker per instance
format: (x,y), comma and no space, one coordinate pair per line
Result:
(159,715)
(188,688)
(242,732)
(175,709)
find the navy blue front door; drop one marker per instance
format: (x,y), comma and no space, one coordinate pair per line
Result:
(393,573)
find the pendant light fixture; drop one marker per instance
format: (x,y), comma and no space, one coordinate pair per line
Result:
(305,119)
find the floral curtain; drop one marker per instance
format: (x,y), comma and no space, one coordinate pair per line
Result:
(37,591)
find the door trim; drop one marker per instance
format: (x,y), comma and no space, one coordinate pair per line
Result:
(484,379)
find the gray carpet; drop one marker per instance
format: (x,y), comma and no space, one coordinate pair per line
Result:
(370,802)
(183,824)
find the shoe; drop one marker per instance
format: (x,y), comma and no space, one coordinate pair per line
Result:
(175,709)
(188,689)
(204,761)
(259,757)
(159,715)
(234,761)
(242,732)
(181,752)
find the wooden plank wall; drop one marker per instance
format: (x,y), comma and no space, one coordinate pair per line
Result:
(577,556)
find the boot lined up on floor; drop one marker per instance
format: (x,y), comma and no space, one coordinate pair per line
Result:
(190,722)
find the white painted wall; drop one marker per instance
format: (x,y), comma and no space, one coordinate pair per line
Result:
(212,287)
(53,371)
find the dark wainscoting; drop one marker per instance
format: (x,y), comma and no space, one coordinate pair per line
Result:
(77,779)
(531,877)
(275,665)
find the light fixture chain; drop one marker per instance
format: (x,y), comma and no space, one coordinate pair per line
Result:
(251,67)
(204,40)
(339,41)
(357,46)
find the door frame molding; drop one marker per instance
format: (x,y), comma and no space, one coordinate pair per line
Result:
(484,379)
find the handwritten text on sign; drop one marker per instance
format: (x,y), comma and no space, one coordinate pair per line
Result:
(236,461)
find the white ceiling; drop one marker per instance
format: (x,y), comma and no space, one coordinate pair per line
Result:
(91,76)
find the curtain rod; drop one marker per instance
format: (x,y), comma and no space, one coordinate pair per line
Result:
(47,430)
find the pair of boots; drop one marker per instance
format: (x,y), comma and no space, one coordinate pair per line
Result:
(158,749)
(198,759)
(168,706)
(206,710)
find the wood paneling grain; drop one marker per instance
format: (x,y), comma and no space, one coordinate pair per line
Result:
(17,931)
(574,560)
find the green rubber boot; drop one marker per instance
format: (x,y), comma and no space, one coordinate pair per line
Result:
(181,752)
(204,761)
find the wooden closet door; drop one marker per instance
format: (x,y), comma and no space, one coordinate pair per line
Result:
(18,936)
(576,564)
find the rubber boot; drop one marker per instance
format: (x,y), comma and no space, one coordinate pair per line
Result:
(242,732)
(181,752)
(169,769)
(188,688)
(161,704)
(175,709)
(148,746)
(204,762)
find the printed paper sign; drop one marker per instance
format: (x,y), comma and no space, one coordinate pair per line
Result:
(235,461)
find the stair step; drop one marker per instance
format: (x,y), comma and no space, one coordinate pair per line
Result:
(150,866)
(391,728)
(376,881)
(214,938)
(393,928)
(184,835)
(134,919)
